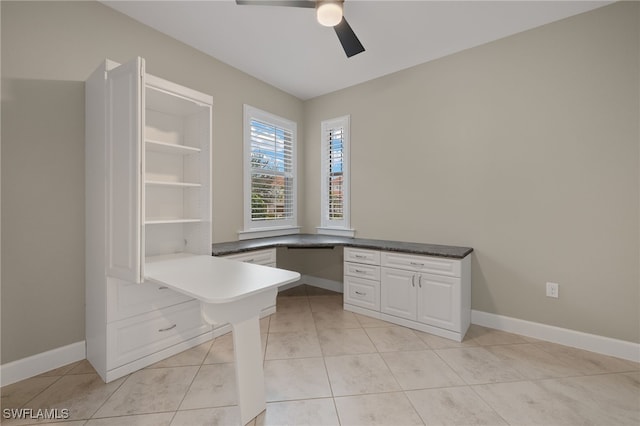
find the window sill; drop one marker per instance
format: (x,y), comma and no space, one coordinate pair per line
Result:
(268,232)
(338,232)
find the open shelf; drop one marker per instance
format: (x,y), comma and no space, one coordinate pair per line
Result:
(173,184)
(169,220)
(170,148)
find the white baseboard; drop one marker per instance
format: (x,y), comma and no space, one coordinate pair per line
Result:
(577,339)
(290,285)
(316,282)
(24,368)
(322,283)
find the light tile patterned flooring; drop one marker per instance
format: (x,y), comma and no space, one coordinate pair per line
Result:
(325,366)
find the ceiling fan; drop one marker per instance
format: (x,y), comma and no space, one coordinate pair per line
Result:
(329,14)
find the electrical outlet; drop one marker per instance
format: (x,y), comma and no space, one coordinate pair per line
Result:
(552,290)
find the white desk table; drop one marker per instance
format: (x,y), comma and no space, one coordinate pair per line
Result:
(229,292)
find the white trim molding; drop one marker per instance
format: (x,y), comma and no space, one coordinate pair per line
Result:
(24,368)
(288,173)
(563,336)
(324,283)
(335,164)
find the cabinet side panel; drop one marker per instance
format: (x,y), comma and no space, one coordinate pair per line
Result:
(95,214)
(465,295)
(204,129)
(123,171)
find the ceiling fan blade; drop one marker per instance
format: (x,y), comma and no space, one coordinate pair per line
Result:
(348,39)
(286,3)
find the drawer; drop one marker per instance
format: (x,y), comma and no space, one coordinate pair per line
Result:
(142,335)
(128,299)
(433,265)
(361,292)
(360,270)
(370,257)
(260,257)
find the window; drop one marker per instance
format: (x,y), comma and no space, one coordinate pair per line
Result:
(270,175)
(335,178)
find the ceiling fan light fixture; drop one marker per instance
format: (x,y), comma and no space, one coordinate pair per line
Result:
(329,13)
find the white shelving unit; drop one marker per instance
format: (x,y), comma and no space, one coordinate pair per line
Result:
(148,194)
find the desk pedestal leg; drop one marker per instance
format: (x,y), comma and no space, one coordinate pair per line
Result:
(249,371)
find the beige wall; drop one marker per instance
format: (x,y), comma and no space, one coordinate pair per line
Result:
(48,50)
(525,149)
(325,263)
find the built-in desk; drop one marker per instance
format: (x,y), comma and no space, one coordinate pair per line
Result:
(426,287)
(232,292)
(326,241)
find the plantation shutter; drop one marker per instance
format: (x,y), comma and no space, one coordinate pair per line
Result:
(271,172)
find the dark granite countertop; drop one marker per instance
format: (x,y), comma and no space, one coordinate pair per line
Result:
(327,241)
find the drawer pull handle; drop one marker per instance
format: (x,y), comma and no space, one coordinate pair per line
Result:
(249,260)
(359,293)
(168,328)
(163,287)
(417,264)
(360,271)
(360,256)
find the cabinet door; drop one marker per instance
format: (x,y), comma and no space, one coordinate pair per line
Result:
(124,165)
(398,293)
(439,301)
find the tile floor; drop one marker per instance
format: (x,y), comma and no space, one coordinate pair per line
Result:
(325,366)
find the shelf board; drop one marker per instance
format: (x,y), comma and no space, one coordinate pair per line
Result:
(173,184)
(170,148)
(169,220)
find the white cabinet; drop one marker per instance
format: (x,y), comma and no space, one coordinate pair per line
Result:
(148,193)
(266,257)
(362,278)
(431,294)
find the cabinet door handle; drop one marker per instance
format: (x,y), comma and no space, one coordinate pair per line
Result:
(359,293)
(168,328)
(417,264)
(413,280)
(420,281)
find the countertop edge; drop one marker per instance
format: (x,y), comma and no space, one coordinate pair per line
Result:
(319,241)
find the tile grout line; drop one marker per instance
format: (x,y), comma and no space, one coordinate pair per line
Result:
(175,413)
(487,403)
(109,397)
(326,372)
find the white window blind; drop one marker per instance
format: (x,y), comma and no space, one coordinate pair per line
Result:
(269,175)
(271,172)
(335,177)
(334,173)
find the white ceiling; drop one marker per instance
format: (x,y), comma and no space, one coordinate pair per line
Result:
(288,49)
